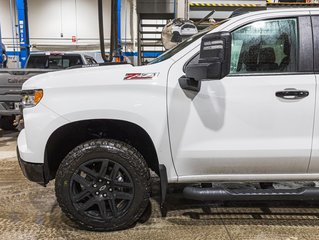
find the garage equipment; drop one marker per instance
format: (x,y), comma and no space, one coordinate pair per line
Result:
(22,11)
(115,45)
(153,15)
(101,30)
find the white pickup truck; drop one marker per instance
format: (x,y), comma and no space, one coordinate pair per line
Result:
(236,103)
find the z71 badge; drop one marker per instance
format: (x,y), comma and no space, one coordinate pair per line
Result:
(141,76)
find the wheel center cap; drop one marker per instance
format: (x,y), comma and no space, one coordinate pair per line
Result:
(102,188)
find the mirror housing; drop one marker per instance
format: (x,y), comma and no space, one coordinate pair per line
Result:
(214,59)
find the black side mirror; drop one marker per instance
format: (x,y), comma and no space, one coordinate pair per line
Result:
(214,59)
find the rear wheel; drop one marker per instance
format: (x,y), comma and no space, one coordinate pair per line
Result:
(6,123)
(103,185)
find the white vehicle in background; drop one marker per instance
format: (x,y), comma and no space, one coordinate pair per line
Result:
(236,103)
(182,28)
(176,31)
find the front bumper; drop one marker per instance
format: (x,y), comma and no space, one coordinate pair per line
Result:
(32,171)
(9,109)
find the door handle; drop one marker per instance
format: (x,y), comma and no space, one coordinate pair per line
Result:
(292,94)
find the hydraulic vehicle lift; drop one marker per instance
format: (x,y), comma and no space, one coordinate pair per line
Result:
(23,26)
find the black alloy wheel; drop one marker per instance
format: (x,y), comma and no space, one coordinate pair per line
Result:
(102,189)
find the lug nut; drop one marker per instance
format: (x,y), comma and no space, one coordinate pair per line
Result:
(110,189)
(100,180)
(95,185)
(104,195)
(97,193)
(108,182)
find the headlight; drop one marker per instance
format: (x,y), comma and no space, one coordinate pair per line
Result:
(30,98)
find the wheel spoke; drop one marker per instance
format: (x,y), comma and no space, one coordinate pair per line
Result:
(113,207)
(103,170)
(123,195)
(102,188)
(115,170)
(81,180)
(88,171)
(122,184)
(80,196)
(102,208)
(88,204)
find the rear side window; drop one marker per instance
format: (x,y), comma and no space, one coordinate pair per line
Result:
(37,61)
(54,61)
(265,47)
(315,24)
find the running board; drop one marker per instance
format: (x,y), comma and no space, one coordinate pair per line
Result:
(220,194)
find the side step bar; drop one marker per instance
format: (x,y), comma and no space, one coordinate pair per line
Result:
(220,194)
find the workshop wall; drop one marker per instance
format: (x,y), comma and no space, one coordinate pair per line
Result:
(67,25)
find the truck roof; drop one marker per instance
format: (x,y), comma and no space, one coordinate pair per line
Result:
(280,10)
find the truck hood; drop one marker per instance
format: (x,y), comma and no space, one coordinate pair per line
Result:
(79,77)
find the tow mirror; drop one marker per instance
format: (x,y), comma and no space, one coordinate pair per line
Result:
(213,64)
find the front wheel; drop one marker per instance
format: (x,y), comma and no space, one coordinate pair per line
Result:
(103,185)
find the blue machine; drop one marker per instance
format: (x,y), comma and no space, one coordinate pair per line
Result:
(22,11)
(119,36)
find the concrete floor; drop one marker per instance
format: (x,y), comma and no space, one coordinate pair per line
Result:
(29,211)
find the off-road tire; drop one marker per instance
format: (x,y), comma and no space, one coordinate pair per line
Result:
(6,123)
(119,152)
(146,214)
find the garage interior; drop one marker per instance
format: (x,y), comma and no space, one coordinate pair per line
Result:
(132,31)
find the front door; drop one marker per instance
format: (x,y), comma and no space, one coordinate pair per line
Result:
(257,120)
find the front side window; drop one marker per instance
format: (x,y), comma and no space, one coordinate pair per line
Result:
(265,47)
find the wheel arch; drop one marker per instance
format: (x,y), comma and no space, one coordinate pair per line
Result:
(70,135)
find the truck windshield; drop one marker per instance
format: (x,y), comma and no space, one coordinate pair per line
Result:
(179,47)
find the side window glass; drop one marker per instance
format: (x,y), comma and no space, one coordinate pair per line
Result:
(88,60)
(265,46)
